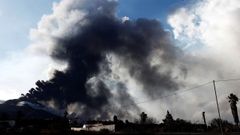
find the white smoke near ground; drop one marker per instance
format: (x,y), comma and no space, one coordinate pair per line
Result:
(210,32)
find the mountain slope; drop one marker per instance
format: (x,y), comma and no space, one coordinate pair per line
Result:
(15,108)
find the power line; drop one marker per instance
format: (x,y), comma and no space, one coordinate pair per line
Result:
(177,92)
(193,88)
(182,91)
(228,80)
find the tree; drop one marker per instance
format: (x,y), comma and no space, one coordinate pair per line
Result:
(151,120)
(215,123)
(143,117)
(233,99)
(115,119)
(168,122)
(65,114)
(168,118)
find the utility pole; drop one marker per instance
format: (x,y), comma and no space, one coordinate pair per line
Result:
(215,91)
(204,119)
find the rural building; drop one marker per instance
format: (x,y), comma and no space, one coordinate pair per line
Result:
(95,127)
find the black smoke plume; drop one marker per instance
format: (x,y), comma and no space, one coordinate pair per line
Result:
(133,42)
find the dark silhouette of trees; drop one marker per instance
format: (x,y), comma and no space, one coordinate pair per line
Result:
(215,124)
(65,114)
(168,119)
(115,119)
(168,122)
(233,99)
(143,118)
(180,125)
(151,120)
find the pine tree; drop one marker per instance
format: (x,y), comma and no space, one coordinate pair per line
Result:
(143,118)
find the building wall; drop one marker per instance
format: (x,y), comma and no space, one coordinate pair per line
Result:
(94,127)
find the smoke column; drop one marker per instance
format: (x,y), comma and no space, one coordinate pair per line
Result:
(87,35)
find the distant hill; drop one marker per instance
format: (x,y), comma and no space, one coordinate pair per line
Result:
(2,101)
(12,109)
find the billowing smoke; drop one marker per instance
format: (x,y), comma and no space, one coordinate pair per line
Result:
(91,40)
(209,32)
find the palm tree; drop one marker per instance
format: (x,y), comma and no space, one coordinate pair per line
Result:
(233,99)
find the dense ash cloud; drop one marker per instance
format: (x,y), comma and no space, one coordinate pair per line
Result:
(92,34)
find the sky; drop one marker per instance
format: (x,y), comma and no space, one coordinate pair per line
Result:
(16,20)
(205,31)
(15,36)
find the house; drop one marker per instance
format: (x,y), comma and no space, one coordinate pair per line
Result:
(95,127)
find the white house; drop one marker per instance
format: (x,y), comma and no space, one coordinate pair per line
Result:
(95,127)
